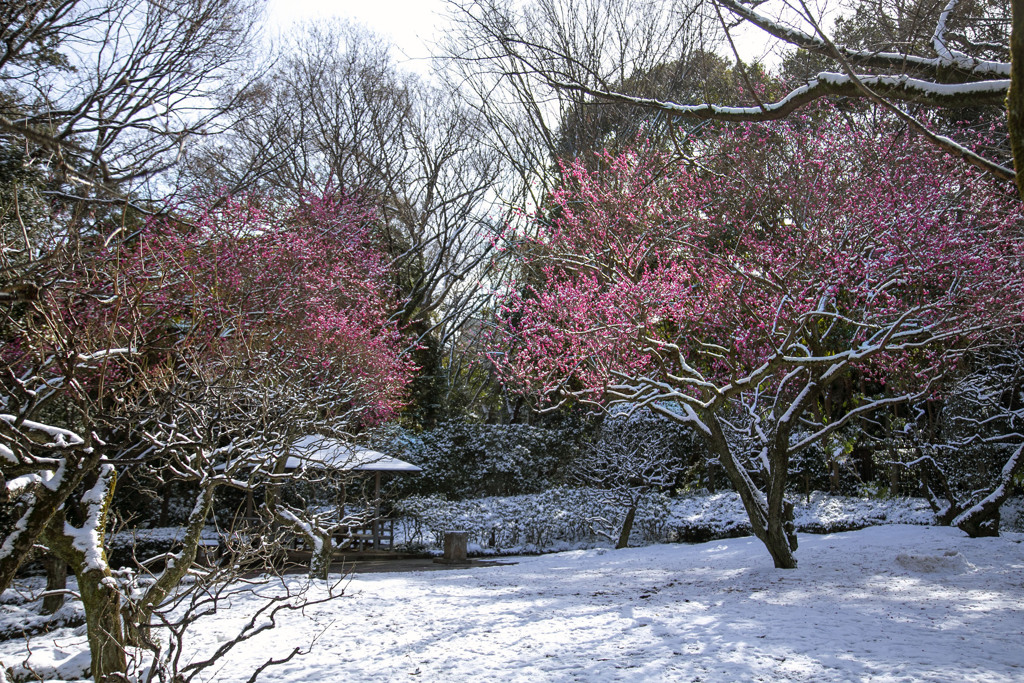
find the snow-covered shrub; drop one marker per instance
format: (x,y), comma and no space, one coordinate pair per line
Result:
(530,522)
(634,455)
(565,517)
(696,519)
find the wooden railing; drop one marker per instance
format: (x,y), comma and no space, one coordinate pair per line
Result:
(374,535)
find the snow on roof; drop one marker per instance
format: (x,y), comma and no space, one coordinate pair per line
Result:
(321,451)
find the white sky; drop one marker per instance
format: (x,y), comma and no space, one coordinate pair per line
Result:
(411,24)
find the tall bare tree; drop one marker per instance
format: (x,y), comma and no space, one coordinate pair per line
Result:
(503,56)
(960,60)
(338,113)
(110,93)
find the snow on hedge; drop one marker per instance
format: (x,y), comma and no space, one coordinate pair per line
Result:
(21,610)
(721,515)
(568,518)
(555,519)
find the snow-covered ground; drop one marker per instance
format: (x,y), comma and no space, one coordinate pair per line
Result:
(891,603)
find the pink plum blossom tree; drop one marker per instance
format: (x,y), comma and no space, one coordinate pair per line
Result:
(792,280)
(197,348)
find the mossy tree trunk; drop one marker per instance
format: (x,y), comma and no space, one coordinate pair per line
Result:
(82,548)
(102,601)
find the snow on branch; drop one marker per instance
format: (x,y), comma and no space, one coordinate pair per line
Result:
(62,438)
(885,60)
(899,87)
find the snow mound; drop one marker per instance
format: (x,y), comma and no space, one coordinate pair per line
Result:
(952,562)
(53,664)
(21,612)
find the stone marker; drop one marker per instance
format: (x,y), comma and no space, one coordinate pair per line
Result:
(454,547)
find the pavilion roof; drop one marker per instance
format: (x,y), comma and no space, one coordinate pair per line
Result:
(316,451)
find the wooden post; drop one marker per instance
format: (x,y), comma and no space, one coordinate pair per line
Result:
(376,511)
(56,580)
(344,498)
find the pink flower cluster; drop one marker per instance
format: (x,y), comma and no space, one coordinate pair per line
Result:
(779,243)
(300,290)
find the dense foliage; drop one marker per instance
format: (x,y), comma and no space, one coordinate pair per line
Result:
(464,460)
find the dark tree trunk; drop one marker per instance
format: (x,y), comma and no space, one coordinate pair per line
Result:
(56,580)
(165,505)
(780,534)
(770,514)
(627,527)
(894,480)
(981,525)
(1015,96)
(983,519)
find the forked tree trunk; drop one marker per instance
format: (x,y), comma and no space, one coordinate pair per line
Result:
(139,614)
(770,515)
(780,536)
